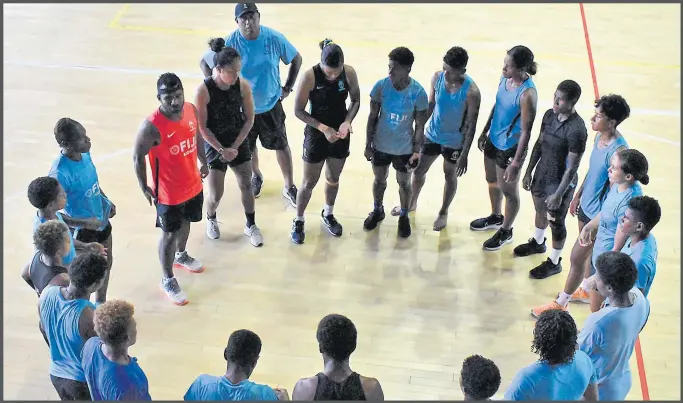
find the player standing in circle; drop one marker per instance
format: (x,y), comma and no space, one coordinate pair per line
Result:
(396,102)
(326,85)
(262,48)
(170,139)
(509,130)
(85,200)
(551,176)
(225,109)
(454,101)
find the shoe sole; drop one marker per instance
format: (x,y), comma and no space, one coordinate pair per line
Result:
(530,254)
(180,266)
(214,238)
(487,228)
(499,247)
(296,242)
(185,302)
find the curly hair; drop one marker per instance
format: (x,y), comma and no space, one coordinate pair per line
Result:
(614,107)
(337,337)
(647,210)
(43,191)
(480,377)
(617,270)
(66,131)
(112,320)
(402,56)
(555,337)
(456,57)
(87,269)
(244,347)
(49,237)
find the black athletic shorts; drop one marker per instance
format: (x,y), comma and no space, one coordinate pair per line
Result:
(68,389)
(171,218)
(318,149)
(503,158)
(90,235)
(214,161)
(449,154)
(270,128)
(399,162)
(539,192)
(582,216)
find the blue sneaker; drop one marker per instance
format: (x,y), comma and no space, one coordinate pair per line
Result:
(298,234)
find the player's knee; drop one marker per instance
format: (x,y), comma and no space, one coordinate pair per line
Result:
(309,183)
(558,230)
(332,183)
(449,175)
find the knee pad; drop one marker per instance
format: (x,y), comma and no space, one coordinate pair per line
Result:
(332,184)
(558,230)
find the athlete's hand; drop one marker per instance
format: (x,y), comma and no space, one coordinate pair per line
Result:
(368,153)
(149,195)
(574,206)
(203,170)
(344,130)
(330,134)
(96,247)
(461,166)
(481,142)
(553,202)
(526,182)
(281,393)
(586,236)
(92,223)
(229,154)
(285,94)
(511,173)
(414,161)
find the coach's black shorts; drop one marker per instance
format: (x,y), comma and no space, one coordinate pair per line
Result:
(89,235)
(318,149)
(503,158)
(449,154)
(171,218)
(399,162)
(69,389)
(270,128)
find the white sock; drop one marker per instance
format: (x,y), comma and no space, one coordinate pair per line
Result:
(555,255)
(584,284)
(539,235)
(563,299)
(327,210)
(299,218)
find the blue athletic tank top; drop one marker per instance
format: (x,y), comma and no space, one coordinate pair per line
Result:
(597,175)
(60,319)
(443,127)
(506,127)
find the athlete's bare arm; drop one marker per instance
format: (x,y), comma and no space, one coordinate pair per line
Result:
(304,390)
(372,389)
(148,136)
(484,133)
(419,137)
(432,93)
(528,101)
(471,117)
(301,101)
(294,68)
(201,151)
(591,393)
(86,325)
(205,68)
(373,117)
(249,112)
(354,93)
(201,101)
(88,223)
(26,275)
(573,160)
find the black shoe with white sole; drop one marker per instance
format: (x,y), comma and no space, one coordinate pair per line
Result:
(331,223)
(491,222)
(498,240)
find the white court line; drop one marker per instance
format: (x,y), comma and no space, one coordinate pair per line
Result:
(99,159)
(199,76)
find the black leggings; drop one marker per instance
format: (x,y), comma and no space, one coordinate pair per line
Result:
(69,389)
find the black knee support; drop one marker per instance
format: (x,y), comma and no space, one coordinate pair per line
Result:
(558,229)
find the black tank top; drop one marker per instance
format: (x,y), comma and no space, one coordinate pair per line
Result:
(349,389)
(41,274)
(328,100)
(225,116)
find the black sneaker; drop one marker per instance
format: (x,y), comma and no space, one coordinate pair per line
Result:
(298,234)
(403,226)
(491,222)
(290,195)
(373,219)
(529,248)
(331,223)
(256,185)
(499,239)
(546,269)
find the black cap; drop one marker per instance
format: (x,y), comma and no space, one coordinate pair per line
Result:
(242,8)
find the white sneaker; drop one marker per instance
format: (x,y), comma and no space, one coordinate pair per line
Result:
(254,234)
(183,260)
(172,289)
(212,230)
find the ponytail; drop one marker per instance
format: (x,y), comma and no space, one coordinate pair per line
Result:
(216,44)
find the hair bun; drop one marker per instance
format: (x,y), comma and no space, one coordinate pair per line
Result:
(645,179)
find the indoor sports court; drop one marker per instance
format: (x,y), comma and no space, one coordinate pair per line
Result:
(421,305)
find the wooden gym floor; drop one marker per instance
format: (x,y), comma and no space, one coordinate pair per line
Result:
(421,305)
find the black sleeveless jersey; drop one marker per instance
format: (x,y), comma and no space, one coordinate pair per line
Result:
(328,100)
(225,115)
(349,389)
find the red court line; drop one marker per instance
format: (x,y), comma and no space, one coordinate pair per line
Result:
(639,352)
